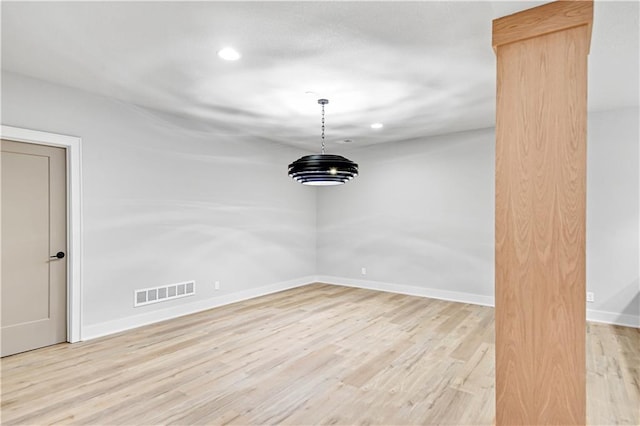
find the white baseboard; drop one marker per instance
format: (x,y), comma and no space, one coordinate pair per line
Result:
(474,299)
(121,324)
(613,318)
(110,327)
(433,293)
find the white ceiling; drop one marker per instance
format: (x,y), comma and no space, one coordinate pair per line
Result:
(422,68)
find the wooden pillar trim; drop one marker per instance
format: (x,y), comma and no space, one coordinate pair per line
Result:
(540,210)
(541,20)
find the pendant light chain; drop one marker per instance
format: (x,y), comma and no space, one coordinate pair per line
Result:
(322,128)
(323,169)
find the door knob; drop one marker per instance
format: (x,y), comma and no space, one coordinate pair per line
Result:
(58,255)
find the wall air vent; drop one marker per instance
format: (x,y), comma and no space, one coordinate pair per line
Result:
(146,296)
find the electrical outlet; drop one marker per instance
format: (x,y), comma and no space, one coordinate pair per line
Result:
(590,297)
(216,285)
(364,271)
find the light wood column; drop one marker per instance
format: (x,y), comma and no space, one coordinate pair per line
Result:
(541,128)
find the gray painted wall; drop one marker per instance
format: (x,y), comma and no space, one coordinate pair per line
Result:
(613,203)
(168,200)
(421,214)
(165,204)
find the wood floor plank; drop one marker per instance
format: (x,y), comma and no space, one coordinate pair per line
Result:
(321,354)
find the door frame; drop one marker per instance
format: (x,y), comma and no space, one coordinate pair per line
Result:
(74,216)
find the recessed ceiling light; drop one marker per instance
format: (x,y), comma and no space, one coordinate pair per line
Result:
(377,126)
(229,54)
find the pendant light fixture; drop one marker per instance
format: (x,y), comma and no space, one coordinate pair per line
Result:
(323,169)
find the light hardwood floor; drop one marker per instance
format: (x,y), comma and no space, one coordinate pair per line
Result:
(318,354)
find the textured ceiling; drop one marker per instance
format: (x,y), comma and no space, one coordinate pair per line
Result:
(421,68)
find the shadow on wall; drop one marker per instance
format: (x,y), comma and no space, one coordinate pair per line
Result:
(632,293)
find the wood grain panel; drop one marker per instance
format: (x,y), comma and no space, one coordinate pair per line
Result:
(541,20)
(540,222)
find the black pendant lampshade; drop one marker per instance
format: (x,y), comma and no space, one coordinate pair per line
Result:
(323,169)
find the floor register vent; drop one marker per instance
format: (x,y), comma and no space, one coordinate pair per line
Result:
(146,296)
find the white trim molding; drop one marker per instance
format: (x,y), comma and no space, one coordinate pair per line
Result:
(74,215)
(432,293)
(613,318)
(122,324)
(474,299)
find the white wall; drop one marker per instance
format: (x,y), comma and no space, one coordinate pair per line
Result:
(613,203)
(420,218)
(168,200)
(420,214)
(165,204)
